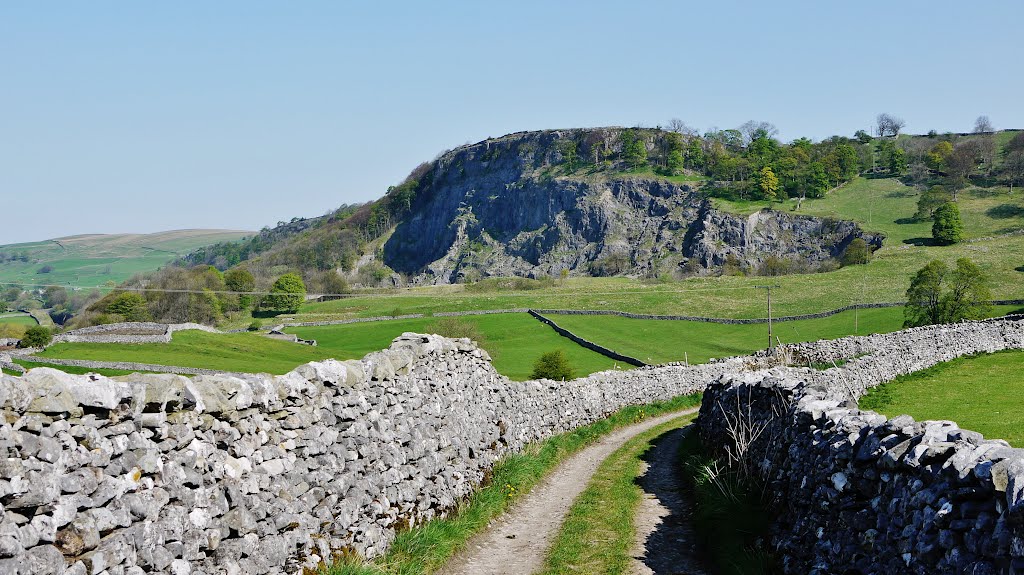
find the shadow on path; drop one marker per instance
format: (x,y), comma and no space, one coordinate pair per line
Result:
(668,543)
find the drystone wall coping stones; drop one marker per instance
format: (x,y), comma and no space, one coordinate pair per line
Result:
(854,491)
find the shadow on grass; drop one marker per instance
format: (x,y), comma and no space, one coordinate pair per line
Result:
(907,221)
(1004,211)
(920,242)
(1019,268)
(907,193)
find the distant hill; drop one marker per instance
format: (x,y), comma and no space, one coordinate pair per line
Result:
(95,259)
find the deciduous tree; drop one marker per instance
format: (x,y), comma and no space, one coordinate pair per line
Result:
(286,295)
(947,227)
(939,295)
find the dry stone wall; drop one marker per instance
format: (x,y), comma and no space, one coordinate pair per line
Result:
(129,332)
(856,493)
(262,474)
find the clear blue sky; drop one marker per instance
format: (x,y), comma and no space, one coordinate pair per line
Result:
(144,116)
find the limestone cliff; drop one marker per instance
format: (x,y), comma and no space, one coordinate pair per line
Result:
(517,205)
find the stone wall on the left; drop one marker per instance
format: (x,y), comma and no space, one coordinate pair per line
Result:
(271,474)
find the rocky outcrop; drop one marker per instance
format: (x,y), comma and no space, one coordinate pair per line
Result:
(510,206)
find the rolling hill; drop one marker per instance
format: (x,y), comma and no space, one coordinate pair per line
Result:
(96,259)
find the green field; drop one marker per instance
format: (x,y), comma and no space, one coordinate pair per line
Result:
(19,319)
(516,341)
(242,352)
(661,341)
(93,260)
(983,393)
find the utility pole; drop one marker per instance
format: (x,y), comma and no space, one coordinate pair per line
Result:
(768,288)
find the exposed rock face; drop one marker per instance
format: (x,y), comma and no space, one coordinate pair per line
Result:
(506,207)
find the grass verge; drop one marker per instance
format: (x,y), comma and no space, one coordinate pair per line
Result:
(730,518)
(983,393)
(599,531)
(426,548)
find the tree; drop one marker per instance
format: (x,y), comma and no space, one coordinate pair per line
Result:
(240,280)
(937,155)
(754,129)
(552,365)
(983,125)
(939,295)
(768,183)
(930,200)
(286,295)
(570,155)
(634,152)
(129,305)
(36,336)
(55,296)
(862,137)
(947,227)
(678,126)
(856,253)
(1013,167)
(888,125)
(960,165)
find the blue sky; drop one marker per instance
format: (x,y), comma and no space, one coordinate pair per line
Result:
(140,117)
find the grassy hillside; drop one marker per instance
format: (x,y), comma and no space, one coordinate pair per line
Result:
(94,260)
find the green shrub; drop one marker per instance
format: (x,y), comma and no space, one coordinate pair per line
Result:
(36,336)
(856,253)
(947,227)
(255,325)
(552,365)
(286,295)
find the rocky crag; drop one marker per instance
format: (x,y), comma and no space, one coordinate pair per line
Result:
(515,206)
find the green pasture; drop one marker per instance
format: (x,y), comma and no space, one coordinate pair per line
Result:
(18,319)
(241,352)
(94,260)
(661,341)
(984,393)
(514,341)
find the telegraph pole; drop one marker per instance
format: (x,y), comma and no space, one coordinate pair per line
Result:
(768,288)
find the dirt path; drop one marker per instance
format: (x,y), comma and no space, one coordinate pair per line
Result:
(515,544)
(665,542)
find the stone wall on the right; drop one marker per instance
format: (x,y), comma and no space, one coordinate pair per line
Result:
(853,492)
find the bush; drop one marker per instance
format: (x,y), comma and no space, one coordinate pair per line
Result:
(553,365)
(36,336)
(856,253)
(286,295)
(255,325)
(45,269)
(947,227)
